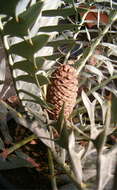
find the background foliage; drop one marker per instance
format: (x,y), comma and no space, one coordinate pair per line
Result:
(35,38)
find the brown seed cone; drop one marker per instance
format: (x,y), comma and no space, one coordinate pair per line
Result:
(63,89)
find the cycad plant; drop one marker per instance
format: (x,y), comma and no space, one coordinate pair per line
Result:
(62,58)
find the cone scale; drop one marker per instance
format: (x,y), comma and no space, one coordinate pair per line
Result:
(62,90)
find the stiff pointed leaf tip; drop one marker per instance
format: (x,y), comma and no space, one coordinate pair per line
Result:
(64,136)
(99,141)
(61,127)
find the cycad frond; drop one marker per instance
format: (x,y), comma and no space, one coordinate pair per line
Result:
(26,44)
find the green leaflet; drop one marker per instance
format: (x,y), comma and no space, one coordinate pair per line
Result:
(64,12)
(28,66)
(27,49)
(52,57)
(23,24)
(31,79)
(8,7)
(57,43)
(42,79)
(26,78)
(59,28)
(36,99)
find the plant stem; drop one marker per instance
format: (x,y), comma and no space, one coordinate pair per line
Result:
(52,171)
(21,143)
